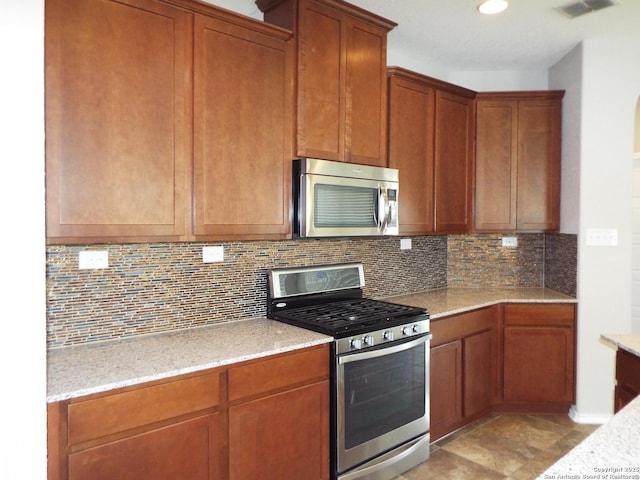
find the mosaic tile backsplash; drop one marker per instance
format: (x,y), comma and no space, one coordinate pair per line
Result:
(150,288)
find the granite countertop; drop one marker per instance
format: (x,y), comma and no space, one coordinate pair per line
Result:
(92,368)
(610,452)
(626,341)
(449,301)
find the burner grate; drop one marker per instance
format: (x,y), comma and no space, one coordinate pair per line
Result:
(347,315)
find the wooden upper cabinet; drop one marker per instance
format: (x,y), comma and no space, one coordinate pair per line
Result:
(243,129)
(430,142)
(517,172)
(341,90)
(117,119)
(411,131)
(453,160)
(166,123)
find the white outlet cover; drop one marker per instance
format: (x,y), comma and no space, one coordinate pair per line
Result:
(91,259)
(510,242)
(213,254)
(405,244)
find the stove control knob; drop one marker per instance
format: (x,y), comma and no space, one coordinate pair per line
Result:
(406,331)
(368,340)
(388,335)
(355,344)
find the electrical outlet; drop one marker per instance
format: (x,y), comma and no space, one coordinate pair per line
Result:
(510,242)
(405,244)
(88,260)
(213,254)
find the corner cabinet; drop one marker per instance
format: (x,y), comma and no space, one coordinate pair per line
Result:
(463,371)
(341,90)
(263,418)
(431,126)
(517,170)
(160,112)
(539,357)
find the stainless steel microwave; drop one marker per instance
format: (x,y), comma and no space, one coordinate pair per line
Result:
(336,199)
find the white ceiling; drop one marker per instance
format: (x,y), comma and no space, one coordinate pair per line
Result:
(529,35)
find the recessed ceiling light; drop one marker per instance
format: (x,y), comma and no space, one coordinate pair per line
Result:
(493,6)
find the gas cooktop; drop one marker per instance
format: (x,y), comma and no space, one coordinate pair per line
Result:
(328,299)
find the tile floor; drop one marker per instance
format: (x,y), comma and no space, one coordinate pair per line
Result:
(515,447)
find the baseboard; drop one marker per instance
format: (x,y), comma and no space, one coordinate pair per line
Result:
(588,418)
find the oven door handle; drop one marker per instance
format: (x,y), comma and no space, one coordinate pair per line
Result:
(381,352)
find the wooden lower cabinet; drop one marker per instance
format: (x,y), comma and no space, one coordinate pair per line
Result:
(281,436)
(445,388)
(188,450)
(266,418)
(463,369)
(627,378)
(539,357)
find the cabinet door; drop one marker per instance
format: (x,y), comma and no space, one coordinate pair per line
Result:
(478,373)
(321,82)
(411,119)
(281,436)
(496,177)
(445,388)
(366,94)
(118,99)
(539,126)
(538,364)
(242,131)
(452,161)
(186,450)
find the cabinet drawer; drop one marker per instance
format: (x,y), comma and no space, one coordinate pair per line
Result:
(628,371)
(97,417)
(278,372)
(539,314)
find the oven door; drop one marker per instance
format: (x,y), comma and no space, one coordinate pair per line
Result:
(382,399)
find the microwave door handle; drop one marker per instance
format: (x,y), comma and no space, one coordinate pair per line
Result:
(383,209)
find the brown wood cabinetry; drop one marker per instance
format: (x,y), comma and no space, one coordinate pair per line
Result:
(265,418)
(517,171)
(463,371)
(539,357)
(117,119)
(155,109)
(627,378)
(430,142)
(341,91)
(243,114)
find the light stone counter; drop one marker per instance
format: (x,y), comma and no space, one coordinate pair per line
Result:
(626,341)
(610,452)
(92,368)
(448,301)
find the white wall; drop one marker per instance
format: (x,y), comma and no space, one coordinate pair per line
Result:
(602,121)
(491,81)
(22,244)
(567,75)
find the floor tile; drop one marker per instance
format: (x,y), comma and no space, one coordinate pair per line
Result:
(492,450)
(446,465)
(513,447)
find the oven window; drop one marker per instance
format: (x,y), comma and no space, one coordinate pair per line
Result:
(383,393)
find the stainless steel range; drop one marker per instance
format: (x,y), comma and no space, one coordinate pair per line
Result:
(379,367)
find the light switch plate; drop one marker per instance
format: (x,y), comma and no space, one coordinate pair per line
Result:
(91,259)
(602,237)
(213,254)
